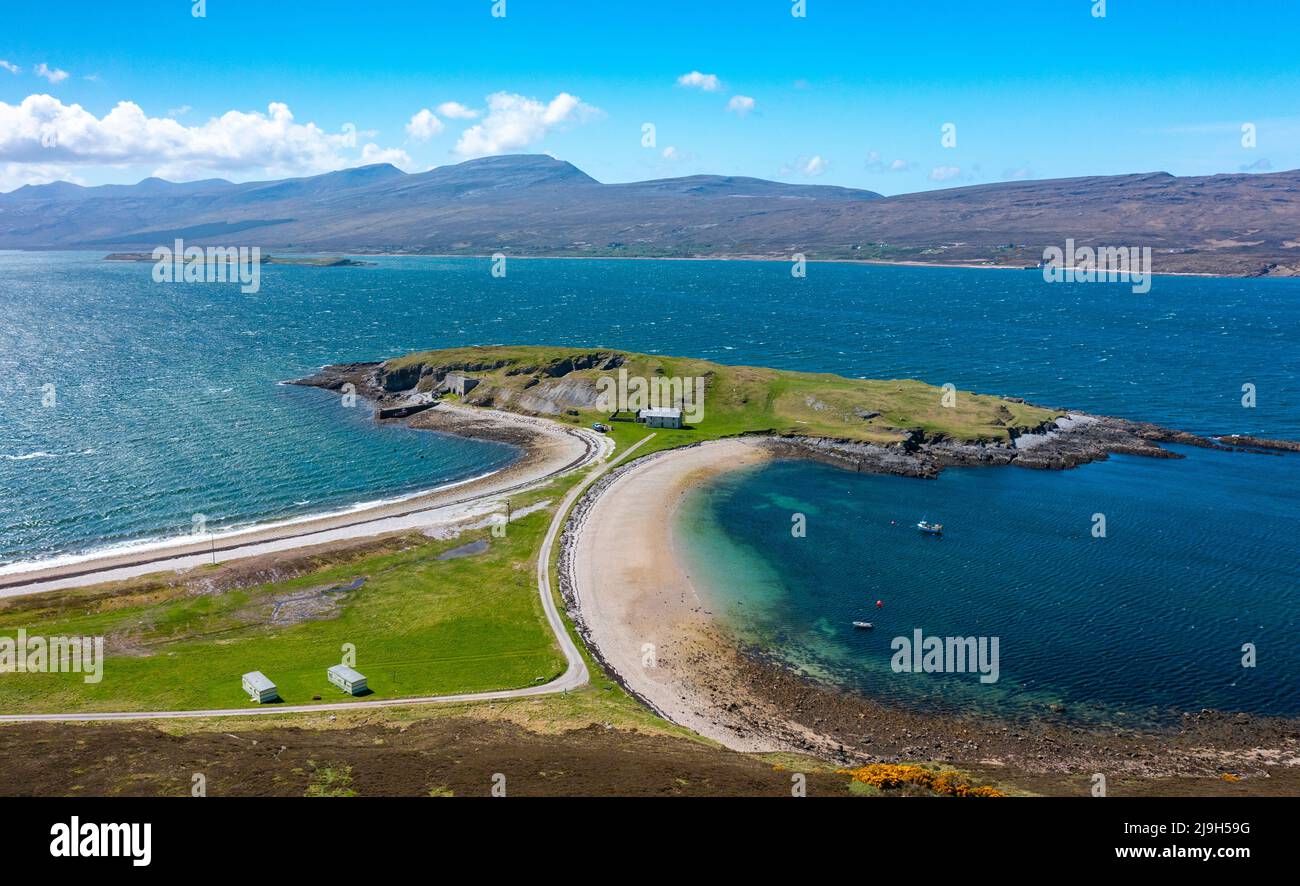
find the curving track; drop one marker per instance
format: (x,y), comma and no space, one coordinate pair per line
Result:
(574,676)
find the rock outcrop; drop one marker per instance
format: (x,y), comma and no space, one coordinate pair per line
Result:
(1073,440)
(552,389)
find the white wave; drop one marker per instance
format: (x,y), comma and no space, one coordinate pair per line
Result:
(42,454)
(163,543)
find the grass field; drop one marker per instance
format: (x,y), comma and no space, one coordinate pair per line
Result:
(739,399)
(420,626)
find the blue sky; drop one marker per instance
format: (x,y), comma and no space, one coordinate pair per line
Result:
(855,93)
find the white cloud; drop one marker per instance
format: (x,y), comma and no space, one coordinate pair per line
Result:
(15,175)
(424,126)
(43,130)
(54,75)
(809,167)
(515,121)
(741,104)
(696,80)
(456,111)
(372,153)
(876,163)
(674,154)
(179,112)
(944,173)
(11,68)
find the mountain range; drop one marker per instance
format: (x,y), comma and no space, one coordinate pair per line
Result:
(1236,224)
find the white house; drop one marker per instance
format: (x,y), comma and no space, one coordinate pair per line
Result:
(259,688)
(346,679)
(662,417)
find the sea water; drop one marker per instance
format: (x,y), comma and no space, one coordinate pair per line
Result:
(168,403)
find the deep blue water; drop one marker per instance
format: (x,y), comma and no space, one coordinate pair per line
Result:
(168,405)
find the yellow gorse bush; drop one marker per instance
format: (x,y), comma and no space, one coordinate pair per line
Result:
(891,775)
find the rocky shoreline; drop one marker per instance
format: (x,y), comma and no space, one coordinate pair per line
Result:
(1071,439)
(1207,744)
(751,701)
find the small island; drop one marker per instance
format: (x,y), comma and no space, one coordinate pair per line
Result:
(305,261)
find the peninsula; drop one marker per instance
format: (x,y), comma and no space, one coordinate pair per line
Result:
(606,486)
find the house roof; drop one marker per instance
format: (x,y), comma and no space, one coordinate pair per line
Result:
(346,673)
(258,681)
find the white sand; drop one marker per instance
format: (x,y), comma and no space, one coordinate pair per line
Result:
(631,590)
(553,448)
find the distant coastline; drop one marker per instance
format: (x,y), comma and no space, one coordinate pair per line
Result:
(348,259)
(542,206)
(777,259)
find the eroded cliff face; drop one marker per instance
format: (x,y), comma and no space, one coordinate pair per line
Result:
(547,388)
(549,397)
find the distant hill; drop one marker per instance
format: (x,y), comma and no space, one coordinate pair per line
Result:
(537,205)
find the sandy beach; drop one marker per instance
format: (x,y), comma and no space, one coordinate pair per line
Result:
(639,611)
(549,448)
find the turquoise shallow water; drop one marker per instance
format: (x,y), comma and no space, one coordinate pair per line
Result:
(168,405)
(1199,557)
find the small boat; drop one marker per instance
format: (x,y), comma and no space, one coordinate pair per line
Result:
(863,625)
(930,528)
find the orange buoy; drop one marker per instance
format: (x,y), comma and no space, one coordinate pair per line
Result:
(880,604)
